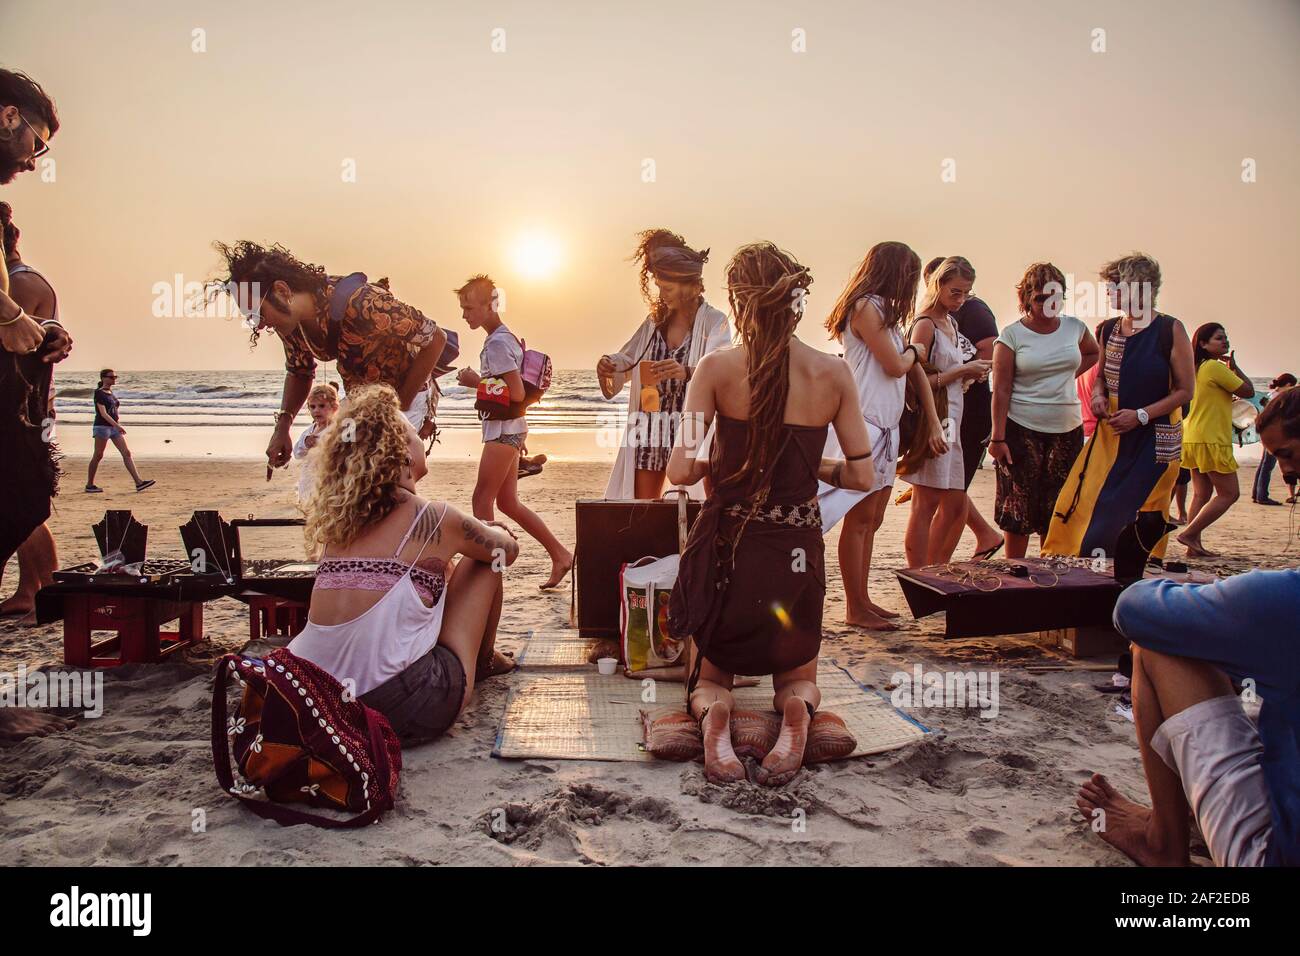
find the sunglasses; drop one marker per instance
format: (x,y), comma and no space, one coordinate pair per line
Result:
(42,147)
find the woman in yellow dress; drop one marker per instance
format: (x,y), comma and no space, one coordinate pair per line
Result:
(1207,434)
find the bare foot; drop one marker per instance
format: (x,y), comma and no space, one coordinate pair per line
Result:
(558,570)
(17,605)
(501,664)
(879,611)
(785,759)
(1125,825)
(1194,548)
(19,722)
(870,620)
(721,765)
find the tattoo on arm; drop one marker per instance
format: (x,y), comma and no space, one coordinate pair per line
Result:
(474,532)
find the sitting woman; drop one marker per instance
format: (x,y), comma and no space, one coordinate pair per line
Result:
(752,582)
(388,613)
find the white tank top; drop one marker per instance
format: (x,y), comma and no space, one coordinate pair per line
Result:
(382,641)
(880,394)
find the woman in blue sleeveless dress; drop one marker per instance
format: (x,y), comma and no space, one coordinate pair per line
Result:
(1122,481)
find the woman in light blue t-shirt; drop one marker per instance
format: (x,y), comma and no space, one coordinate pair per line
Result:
(1037,421)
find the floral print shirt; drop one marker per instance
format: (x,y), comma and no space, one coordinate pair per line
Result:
(379,338)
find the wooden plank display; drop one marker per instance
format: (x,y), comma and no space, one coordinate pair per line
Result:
(990,598)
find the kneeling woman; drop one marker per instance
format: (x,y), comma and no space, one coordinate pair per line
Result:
(388,612)
(751,582)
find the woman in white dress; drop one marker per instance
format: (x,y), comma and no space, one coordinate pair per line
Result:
(866,321)
(939,485)
(679,331)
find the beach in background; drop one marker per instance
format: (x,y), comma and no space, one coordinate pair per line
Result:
(227,414)
(123,788)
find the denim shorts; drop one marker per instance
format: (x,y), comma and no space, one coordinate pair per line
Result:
(424,700)
(105,431)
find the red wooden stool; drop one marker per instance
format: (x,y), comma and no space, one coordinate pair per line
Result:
(136,623)
(275,616)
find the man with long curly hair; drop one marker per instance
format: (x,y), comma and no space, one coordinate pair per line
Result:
(374,337)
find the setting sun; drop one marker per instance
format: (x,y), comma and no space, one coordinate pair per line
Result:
(536,255)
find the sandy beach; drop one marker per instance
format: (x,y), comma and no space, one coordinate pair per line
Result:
(124,788)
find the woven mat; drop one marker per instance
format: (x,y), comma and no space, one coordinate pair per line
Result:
(555,649)
(579,714)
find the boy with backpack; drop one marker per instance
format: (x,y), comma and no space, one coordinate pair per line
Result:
(509,379)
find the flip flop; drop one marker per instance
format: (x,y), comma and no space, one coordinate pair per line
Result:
(988,552)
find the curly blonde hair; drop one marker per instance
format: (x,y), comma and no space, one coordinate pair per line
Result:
(1133,274)
(358,464)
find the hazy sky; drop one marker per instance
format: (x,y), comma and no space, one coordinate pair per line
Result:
(1060,152)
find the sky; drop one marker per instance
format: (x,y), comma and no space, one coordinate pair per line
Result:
(1008,132)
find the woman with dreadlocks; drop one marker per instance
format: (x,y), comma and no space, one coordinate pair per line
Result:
(680,329)
(751,582)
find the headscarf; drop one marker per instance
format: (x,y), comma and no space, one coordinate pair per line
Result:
(677,263)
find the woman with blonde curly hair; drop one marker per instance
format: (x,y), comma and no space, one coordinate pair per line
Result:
(1037,422)
(390,613)
(751,582)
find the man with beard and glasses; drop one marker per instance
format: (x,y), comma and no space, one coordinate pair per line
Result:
(27,122)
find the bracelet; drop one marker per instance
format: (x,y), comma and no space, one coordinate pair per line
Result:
(21,314)
(997,441)
(857,457)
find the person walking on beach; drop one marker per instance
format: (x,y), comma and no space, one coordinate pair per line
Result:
(867,321)
(1037,426)
(108,428)
(498,470)
(372,336)
(1207,434)
(28,120)
(37,555)
(1264,471)
(746,606)
(1122,481)
(974,320)
(680,330)
(391,609)
(939,498)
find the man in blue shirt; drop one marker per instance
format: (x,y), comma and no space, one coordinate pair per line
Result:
(1199,749)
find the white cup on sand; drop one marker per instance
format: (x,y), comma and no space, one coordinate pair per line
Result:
(607,665)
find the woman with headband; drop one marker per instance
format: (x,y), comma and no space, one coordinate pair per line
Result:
(659,360)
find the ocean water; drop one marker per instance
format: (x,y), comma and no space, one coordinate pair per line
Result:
(188,399)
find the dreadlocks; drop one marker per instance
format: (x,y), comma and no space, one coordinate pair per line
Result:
(765,286)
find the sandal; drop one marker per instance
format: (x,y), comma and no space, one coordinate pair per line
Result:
(828,739)
(754,734)
(988,552)
(672,734)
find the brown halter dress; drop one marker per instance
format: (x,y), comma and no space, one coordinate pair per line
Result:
(752,580)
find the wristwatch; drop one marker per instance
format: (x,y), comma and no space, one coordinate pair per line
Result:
(1143,417)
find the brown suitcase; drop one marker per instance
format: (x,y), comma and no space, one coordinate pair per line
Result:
(613,533)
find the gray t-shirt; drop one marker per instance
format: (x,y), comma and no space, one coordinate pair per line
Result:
(1043,394)
(501,355)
